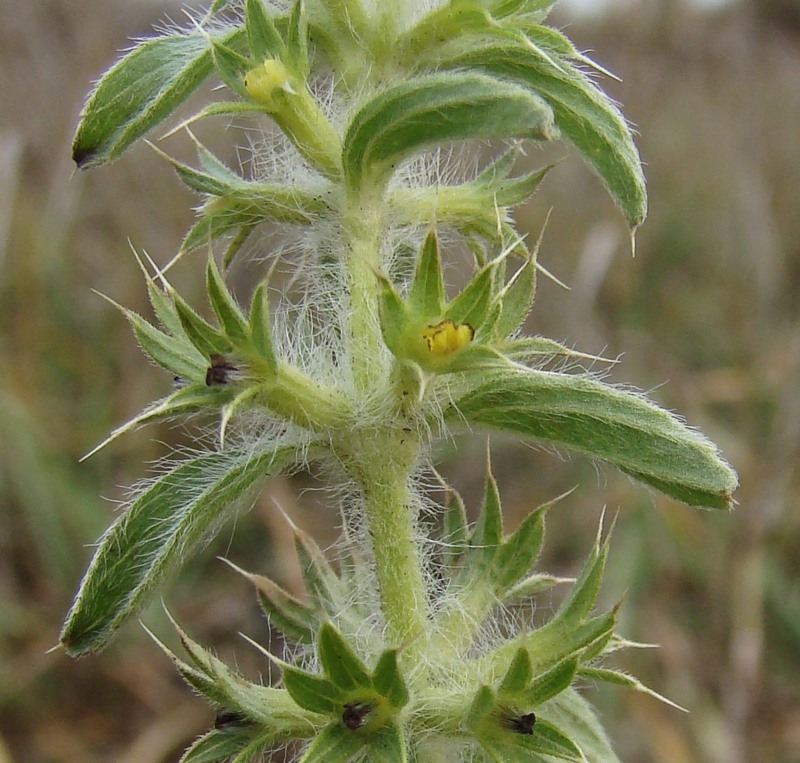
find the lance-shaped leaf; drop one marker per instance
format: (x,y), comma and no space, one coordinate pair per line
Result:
(430,110)
(208,340)
(455,531)
(270,708)
(216,746)
(575,717)
(550,683)
(296,57)
(623,679)
(295,619)
(188,400)
(471,304)
(583,595)
(229,315)
(263,38)
(583,113)
(516,299)
(231,66)
(171,519)
(260,327)
(323,585)
(426,297)
(140,91)
(173,353)
(518,552)
(388,680)
(548,739)
(263,201)
(334,744)
(388,745)
(339,660)
(519,673)
(487,535)
(312,692)
(607,423)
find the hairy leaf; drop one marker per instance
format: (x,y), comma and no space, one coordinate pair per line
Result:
(140,91)
(605,422)
(583,113)
(435,109)
(168,521)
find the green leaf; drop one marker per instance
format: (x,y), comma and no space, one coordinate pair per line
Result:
(487,534)
(547,685)
(426,298)
(216,746)
(235,244)
(537,8)
(139,92)
(623,679)
(519,673)
(394,314)
(321,581)
(548,739)
(435,109)
(516,300)
(388,745)
(254,751)
(312,692)
(446,22)
(388,681)
(583,594)
(472,303)
(531,585)
(575,718)
(231,67)
(230,317)
(294,619)
(482,704)
(297,41)
(339,661)
(503,752)
(556,641)
(262,36)
(163,306)
(171,519)
(605,422)
(583,113)
(208,340)
(455,530)
(334,744)
(260,326)
(519,551)
(513,191)
(186,400)
(215,223)
(172,353)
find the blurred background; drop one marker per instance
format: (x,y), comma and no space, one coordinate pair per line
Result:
(706,316)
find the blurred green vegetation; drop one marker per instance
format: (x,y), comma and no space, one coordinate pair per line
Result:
(706,314)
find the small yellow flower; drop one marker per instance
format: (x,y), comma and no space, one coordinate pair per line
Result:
(266,80)
(446,337)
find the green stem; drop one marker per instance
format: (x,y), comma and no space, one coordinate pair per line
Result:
(382,458)
(363,223)
(382,464)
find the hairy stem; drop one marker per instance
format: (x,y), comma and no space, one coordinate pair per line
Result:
(382,459)
(382,466)
(363,224)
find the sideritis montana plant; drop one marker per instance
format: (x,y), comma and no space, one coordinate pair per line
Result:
(400,650)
